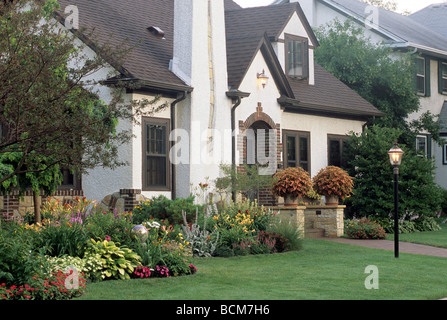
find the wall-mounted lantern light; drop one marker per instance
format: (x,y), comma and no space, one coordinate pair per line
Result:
(263,79)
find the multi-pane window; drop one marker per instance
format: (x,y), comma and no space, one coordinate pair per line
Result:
(443,78)
(297,149)
(155,154)
(297,56)
(336,145)
(421,73)
(421,145)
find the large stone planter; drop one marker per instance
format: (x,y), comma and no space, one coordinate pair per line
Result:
(291,201)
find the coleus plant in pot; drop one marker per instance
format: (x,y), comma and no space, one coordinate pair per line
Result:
(293,184)
(333,183)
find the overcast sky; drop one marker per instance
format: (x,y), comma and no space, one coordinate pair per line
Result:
(411,5)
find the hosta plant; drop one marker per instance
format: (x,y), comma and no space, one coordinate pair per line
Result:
(118,262)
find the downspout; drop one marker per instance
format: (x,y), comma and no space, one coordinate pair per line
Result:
(173,118)
(235,95)
(233,140)
(233,129)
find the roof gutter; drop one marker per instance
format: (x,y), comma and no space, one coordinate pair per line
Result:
(148,85)
(294,105)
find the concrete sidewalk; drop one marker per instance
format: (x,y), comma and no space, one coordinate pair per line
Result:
(404,247)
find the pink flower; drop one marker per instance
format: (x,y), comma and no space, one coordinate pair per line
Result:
(107,238)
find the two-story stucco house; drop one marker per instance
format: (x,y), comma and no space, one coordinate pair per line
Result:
(223,70)
(399,31)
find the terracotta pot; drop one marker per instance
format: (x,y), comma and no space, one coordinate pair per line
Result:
(331,200)
(291,201)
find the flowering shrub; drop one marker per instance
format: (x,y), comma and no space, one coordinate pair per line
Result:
(141,272)
(292,181)
(333,181)
(160,272)
(193,268)
(364,229)
(56,286)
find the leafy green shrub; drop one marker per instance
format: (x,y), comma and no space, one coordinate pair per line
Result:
(117,226)
(62,238)
(162,208)
(117,262)
(423,223)
(90,265)
(18,259)
(373,193)
(427,224)
(364,229)
(289,237)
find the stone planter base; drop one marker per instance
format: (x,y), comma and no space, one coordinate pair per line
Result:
(327,220)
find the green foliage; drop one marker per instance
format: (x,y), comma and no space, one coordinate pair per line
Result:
(53,115)
(373,194)
(420,224)
(247,181)
(202,241)
(89,265)
(117,262)
(378,74)
(39,177)
(162,208)
(19,260)
(62,238)
(364,229)
(289,238)
(117,226)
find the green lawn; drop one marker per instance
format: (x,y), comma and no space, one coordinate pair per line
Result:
(432,238)
(322,270)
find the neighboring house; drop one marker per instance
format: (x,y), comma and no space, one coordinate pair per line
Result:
(433,17)
(423,33)
(208,59)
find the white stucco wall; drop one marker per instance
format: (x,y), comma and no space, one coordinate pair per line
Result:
(295,27)
(319,127)
(209,113)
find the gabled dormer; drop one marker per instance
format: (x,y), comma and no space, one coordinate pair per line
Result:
(295,45)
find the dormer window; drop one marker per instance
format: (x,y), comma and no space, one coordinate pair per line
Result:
(297,56)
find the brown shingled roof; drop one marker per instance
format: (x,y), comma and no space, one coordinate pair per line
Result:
(118,21)
(246,31)
(330,95)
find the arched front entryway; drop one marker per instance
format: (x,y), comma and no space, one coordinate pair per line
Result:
(259,144)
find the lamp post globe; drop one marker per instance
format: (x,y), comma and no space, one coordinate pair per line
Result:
(396,155)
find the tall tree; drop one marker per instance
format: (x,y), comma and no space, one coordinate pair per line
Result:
(50,114)
(47,107)
(380,75)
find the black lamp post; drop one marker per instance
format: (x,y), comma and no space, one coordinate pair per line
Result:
(396,154)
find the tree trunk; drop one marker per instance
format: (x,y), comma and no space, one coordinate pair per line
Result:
(36,200)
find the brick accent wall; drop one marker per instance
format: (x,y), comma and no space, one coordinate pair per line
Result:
(265,196)
(130,198)
(13,205)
